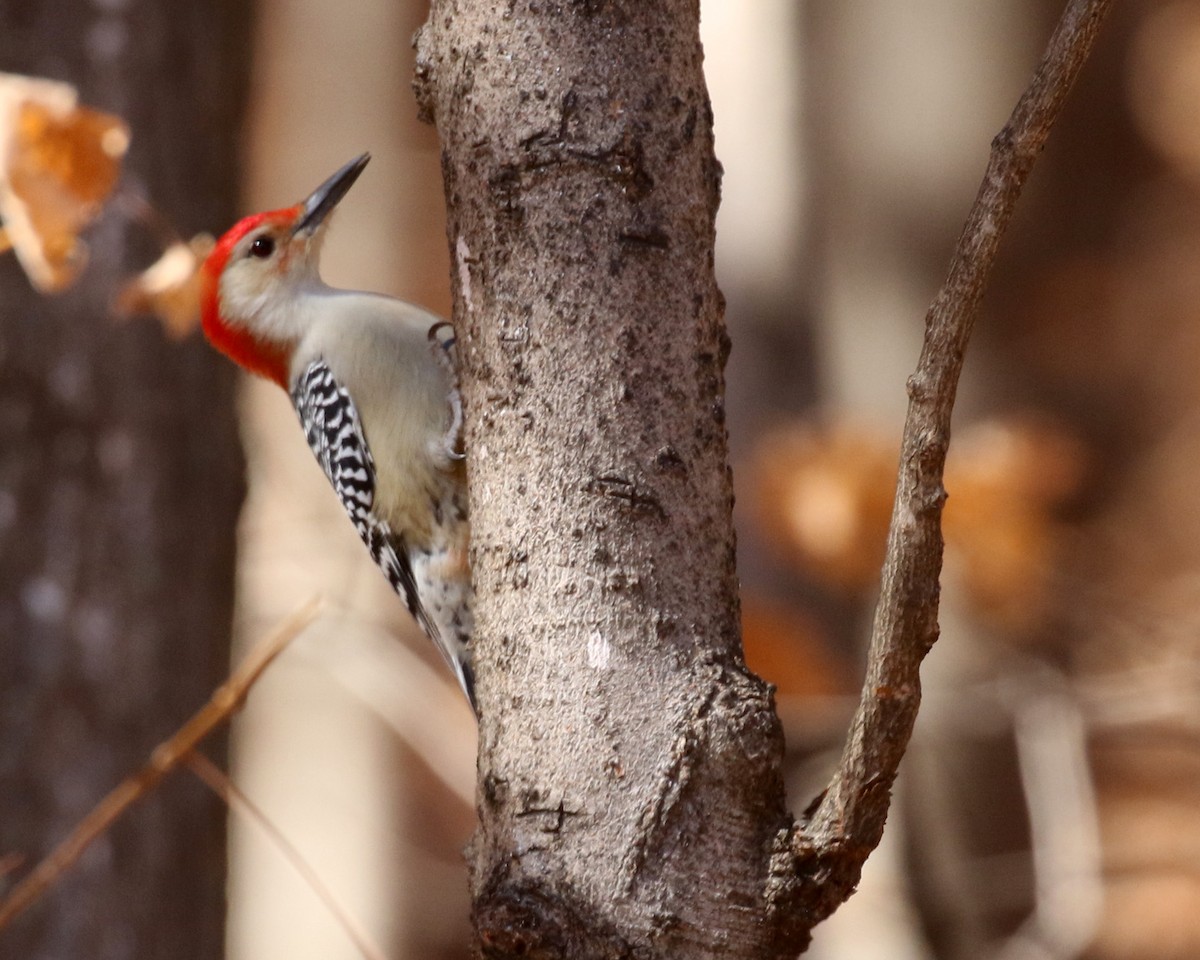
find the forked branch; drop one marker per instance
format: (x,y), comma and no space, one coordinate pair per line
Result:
(826,853)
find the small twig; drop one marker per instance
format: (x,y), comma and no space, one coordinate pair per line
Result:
(10,863)
(166,756)
(220,784)
(403,690)
(137,207)
(829,850)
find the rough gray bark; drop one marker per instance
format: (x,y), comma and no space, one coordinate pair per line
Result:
(629,785)
(629,799)
(120,483)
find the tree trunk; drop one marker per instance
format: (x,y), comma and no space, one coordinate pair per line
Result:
(120,483)
(629,796)
(629,790)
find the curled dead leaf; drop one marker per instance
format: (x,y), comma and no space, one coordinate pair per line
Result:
(170,288)
(58,164)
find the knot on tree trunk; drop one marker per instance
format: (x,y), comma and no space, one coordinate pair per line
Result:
(520,917)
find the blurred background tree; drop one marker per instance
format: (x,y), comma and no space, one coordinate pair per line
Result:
(121,479)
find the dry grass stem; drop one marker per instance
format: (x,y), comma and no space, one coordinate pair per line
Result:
(216,780)
(404,691)
(166,757)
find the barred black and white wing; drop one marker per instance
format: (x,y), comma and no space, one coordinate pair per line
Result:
(335,434)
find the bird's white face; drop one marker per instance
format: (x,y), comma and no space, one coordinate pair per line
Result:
(266,270)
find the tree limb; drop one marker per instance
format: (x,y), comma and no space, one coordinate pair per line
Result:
(826,853)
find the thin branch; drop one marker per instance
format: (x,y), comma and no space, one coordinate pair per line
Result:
(220,784)
(829,850)
(166,756)
(403,690)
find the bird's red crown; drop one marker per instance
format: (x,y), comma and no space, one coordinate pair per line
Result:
(266,358)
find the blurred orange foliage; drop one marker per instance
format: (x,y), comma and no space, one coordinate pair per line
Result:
(823,496)
(786,647)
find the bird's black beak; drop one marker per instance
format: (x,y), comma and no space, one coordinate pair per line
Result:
(321,201)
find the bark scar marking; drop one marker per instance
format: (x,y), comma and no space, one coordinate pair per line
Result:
(620,488)
(673,781)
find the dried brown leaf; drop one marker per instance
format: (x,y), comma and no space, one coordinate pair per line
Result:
(169,288)
(58,164)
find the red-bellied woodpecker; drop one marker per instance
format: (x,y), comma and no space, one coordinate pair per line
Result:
(374,387)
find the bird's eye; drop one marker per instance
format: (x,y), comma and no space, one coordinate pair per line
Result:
(262,247)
